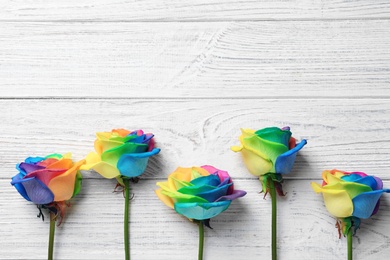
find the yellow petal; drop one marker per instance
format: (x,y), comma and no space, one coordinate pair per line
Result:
(256,165)
(167,200)
(91,159)
(337,202)
(329,178)
(62,186)
(104,169)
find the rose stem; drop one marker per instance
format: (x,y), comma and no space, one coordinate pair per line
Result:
(273,199)
(349,238)
(126,220)
(201,239)
(51,235)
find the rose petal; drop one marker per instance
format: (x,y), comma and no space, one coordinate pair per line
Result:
(134,164)
(364,203)
(46,175)
(337,202)
(113,155)
(236,194)
(164,198)
(63,185)
(276,135)
(201,211)
(26,168)
(211,180)
(210,193)
(37,191)
(16,182)
(285,161)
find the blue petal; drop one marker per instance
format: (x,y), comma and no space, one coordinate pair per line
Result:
(134,164)
(367,180)
(18,186)
(34,160)
(364,203)
(37,191)
(212,180)
(209,193)
(285,161)
(201,211)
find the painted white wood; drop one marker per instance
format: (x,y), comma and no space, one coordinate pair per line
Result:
(193,73)
(93,227)
(195,59)
(347,134)
(187,10)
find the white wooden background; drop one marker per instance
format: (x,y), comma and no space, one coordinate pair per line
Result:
(193,72)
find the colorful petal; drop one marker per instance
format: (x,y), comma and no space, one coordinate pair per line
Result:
(134,164)
(26,168)
(77,184)
(38,192)
(46,175)
(275,134)
(337,202)
(63,185)
(367,180)
(180,197)
(201,211)
(210,193)
(364,203)
(112,156)
(211,180)
(285,161)
(164,198)
(256,165)
(18,186)
(236,194)
(94,162)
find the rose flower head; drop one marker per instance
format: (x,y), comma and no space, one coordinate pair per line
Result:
(270,150)
(121,153)
(350,196)
(48,181)
(198,193)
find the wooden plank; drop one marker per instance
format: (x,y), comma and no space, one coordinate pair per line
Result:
(223,59)
(185,10)
(93,227)
(350,135)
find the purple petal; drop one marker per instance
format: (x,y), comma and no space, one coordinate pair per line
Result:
(38,192)
(30,167)
(236,194)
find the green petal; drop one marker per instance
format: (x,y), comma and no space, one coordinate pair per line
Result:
(113,155)
(275,134)
(77,184)
(183,198)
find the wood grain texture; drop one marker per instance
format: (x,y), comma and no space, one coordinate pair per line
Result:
(194,73)
(186,10)
(347,134)
(222,59)
(93,227)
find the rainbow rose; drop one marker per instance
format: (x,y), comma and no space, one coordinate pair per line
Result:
(48,181)
(350,196)
(198,193)
(121,153)
(268,151)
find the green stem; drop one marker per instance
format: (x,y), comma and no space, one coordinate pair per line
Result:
(126,220)
(349,238)
(201,240)
(272,192)
(51,236)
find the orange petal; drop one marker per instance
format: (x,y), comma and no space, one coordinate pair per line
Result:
(62,186)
